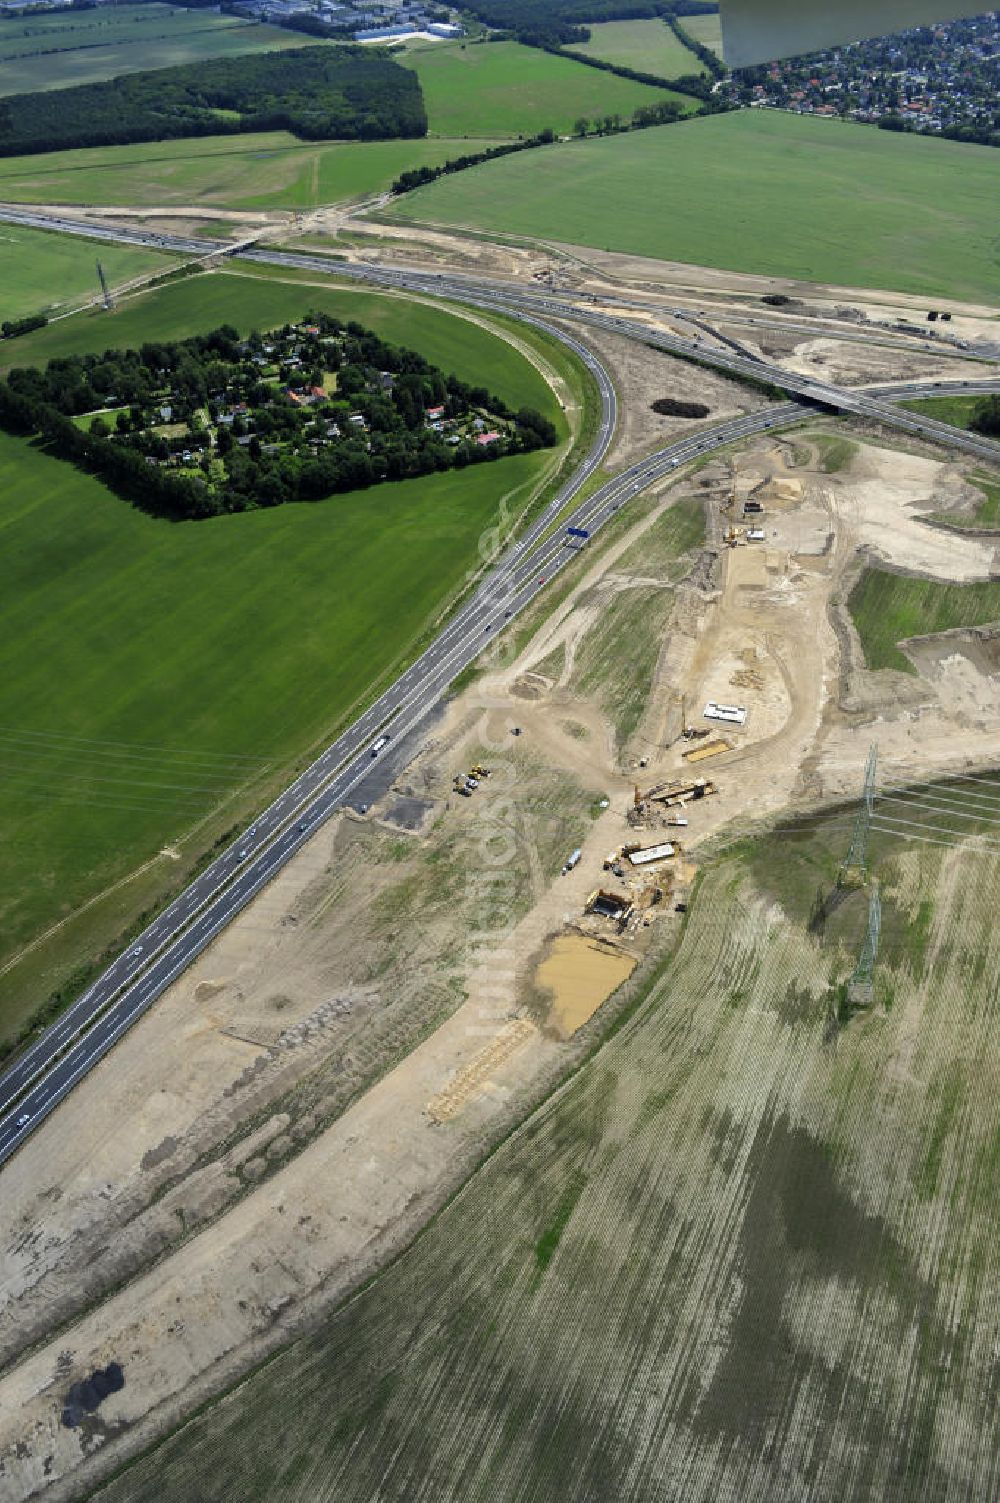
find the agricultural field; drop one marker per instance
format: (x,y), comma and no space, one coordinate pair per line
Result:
(704,29)
(506,89)
(886,608)
(87,46)
(753,191)
(271,170)
(647,46)
(42,272)
(748,1251)
(117,748)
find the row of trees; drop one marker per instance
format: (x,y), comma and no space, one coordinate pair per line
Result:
(558,23)
(663,112)
(12,327)
(318,93)
(688,83)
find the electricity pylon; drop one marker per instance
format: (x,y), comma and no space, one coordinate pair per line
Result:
(108,302)
(859,987)
(854,868)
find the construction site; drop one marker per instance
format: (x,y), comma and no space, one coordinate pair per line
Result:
(422,974)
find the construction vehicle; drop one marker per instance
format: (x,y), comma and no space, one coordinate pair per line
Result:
(572,860)
(689,732)
(459,786)
(479,772)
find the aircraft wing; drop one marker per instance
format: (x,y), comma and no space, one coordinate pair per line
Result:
(759,31)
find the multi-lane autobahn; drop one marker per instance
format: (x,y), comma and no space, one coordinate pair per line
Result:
(60,1057)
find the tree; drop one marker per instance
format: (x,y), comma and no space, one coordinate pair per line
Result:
(986,416)
(99,428)
(581,126)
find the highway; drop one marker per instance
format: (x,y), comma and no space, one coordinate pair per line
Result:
(43,1075)
(70,1048)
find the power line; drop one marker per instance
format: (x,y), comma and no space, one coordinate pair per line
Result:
(124,780)
(916,803)
(854,868)
(959,843)
(945,791)
(131,746)
(961,836)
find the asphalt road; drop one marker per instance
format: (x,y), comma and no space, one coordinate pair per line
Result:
(41,1077)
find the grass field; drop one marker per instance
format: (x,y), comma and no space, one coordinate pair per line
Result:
(647,46)
(505,89)
(888,607)
(753,191)
(85,46)
(42,272)
(749,1251)
(266,171)
(955,410)
(615,660)
(182,308)
(158,668)
(705,29)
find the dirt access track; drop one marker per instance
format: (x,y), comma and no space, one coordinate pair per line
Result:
(296,1106)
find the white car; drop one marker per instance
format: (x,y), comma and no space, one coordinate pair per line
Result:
(24,1119)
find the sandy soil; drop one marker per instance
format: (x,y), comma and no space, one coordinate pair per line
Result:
(642,375)
(858,364)
(283,1101)
(879,505)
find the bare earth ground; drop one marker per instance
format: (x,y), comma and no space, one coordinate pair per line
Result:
(647,374)
(296,1106)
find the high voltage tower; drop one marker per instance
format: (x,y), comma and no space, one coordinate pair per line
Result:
(854,868)
(859,987)
(108,302)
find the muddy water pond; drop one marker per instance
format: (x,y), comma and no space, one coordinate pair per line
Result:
(579,974)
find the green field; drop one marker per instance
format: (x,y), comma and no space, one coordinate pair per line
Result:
(505,89)
(155,680)
(886,608)
(254,301)
(85,46)
(42,272)
(753,191)
(705,29)
(267,171)
(647,46)
(955,410)
(747,1252)
(614,661)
